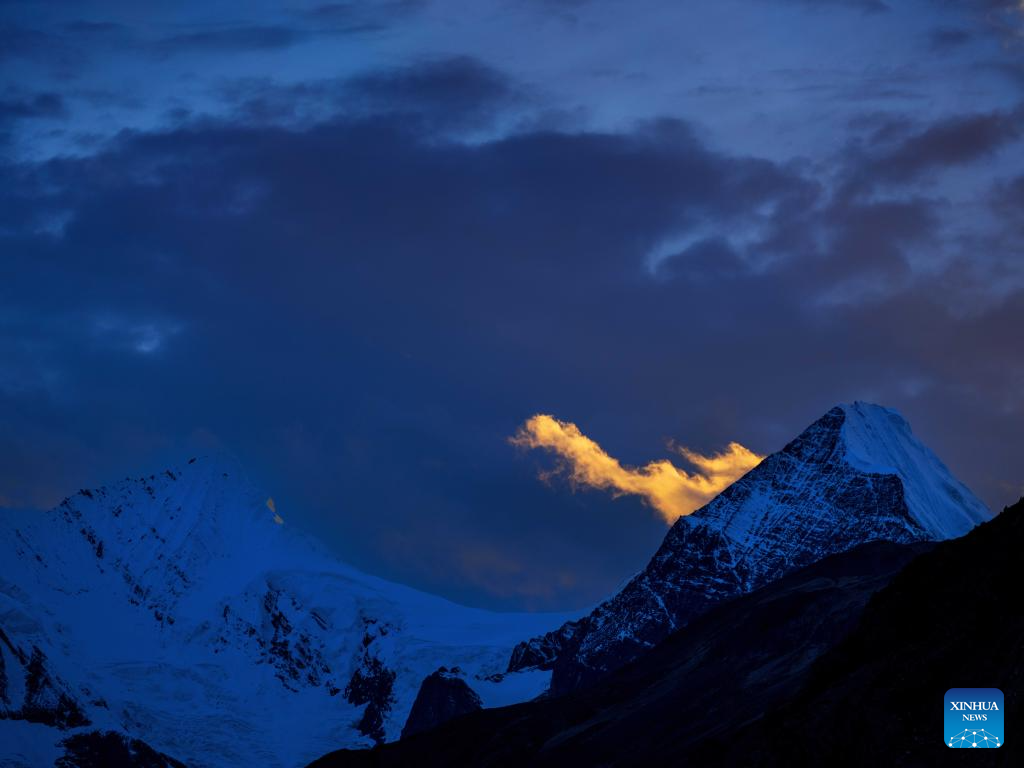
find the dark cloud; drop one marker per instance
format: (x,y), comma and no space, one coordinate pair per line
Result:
(39,105)
(16,107)
(206,269)
(20,41)
(366,310)
(363,284)
(865,6)
(942,39)
(361,16)
(458,89)
(450,93)
(1002,18)
(948,143)
(224,38)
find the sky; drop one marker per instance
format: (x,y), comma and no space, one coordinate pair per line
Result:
(360,245)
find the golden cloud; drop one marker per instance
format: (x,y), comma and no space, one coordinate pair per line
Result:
(273,508)
(672,491)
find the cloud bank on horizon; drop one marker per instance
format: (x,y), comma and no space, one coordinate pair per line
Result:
(672,491)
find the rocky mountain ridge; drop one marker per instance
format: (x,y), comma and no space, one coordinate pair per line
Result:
(855,475)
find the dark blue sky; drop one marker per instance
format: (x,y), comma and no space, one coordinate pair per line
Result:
(358,244)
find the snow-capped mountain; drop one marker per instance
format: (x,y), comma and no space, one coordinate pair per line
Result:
(856,475)
(180,609)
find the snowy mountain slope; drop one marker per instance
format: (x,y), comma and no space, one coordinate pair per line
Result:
(857,474)
(179,609)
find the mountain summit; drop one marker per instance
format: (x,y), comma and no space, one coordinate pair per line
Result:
(181,609)
(855,475)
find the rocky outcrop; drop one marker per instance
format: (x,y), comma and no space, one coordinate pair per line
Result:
(109,749)
(372,684)
(29,691)
(725,669)
(281,635)
(443,695)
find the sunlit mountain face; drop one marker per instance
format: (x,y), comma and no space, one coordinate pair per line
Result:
(366,365)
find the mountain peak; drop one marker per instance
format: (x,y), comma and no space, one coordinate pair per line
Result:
(879,440)
(173,602)
(857,474)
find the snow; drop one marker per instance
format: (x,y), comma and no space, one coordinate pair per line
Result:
(855,475)
(176,608)
(182,609)
(880,440)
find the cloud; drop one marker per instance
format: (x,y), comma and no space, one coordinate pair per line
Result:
(328,20)
(380,296)
(864,6)
(19,41)
(436,95)
(944,39)
(458,89)
(37,105)
(361,16)
(954,141)
(228,38)
(672,491)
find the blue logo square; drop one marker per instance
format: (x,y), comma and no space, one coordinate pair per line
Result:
(973,718)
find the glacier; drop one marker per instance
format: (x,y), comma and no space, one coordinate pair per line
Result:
(179,608)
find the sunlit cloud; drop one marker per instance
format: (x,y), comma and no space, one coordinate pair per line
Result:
(672,491)
(273,508)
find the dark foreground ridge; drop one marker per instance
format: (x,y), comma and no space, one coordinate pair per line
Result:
(723,670)
(803,672)
(108,749)
(953,618)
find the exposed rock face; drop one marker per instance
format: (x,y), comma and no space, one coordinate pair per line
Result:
(372,684)
(855,475)
(792,675)
(284,634)
(28,691)
(443,695)
(725,669)
(180,609)
(108,749)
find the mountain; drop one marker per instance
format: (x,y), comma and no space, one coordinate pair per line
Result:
(843,662)
(177,618)
(443,696)
(177,614)
(953,618)
(741,658)
(855,475)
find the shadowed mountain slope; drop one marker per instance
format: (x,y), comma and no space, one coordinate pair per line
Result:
(953,618)
(724,669)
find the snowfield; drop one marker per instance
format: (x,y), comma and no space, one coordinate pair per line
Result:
(175,608)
